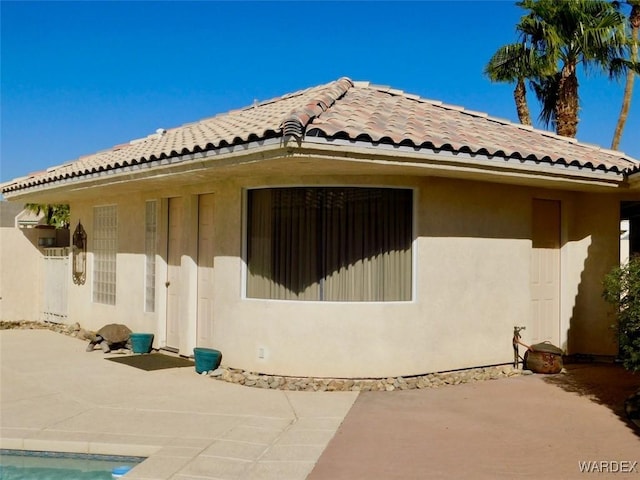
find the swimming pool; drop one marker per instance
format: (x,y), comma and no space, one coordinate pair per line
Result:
(33,465)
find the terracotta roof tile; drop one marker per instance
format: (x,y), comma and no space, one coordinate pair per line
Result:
(383,114)
(349,110)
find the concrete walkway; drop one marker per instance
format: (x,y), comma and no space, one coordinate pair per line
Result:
(55,396)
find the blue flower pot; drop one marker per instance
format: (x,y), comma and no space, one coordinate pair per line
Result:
(207,359)
(141,342)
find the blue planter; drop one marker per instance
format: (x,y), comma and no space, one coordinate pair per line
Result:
(207,359)
(141,342)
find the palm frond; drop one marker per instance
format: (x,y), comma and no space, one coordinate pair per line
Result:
(508,63)
(546,90)
(619,67)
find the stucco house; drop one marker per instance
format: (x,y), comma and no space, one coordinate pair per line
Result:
(348,230)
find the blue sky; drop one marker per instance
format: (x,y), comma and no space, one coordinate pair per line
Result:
(79,77)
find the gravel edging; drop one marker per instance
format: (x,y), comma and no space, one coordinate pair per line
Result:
(70,330)
(389,384)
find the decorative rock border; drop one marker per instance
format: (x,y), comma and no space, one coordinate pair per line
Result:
(309,384)
(70,330)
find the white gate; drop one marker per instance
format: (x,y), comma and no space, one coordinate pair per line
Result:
(56,284)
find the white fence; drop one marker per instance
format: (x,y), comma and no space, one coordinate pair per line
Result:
(56,284)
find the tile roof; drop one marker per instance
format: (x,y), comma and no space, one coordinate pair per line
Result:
(354,111)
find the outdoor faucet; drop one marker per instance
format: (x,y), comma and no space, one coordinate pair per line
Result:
(516,342)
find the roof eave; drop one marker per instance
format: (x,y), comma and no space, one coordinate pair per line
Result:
(419,161)
(451,163)
(634,180)
(191,162)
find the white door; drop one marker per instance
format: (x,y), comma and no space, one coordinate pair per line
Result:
(545,272)
(174,261)
(205,270)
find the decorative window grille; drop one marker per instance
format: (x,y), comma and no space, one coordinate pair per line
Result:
(105,241)
(150,238)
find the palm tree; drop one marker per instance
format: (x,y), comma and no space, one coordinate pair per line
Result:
(56,214)
(514,63)
(567,34)
(634,23)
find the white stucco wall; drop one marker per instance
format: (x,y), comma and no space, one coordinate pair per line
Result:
(471,281)
(20,274)
(592,249)
(130,269)
(469,284)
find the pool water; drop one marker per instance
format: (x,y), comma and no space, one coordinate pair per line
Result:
(30,465)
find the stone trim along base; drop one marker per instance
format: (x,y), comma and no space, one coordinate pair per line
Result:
(308,384)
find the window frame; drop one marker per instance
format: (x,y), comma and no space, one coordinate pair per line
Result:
(413,242)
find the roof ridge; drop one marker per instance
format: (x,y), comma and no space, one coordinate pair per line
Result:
(295,123)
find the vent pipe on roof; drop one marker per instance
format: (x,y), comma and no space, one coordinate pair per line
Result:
(161,131)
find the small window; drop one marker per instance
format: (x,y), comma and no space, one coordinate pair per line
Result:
(150,256)
(105,241)
(330,244)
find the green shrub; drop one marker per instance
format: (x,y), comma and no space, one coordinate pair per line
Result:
(622,289)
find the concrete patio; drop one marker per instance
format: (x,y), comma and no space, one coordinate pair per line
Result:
(56,397)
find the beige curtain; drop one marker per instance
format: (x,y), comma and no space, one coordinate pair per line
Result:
(334,244)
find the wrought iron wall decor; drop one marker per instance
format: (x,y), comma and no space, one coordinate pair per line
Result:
(79,255)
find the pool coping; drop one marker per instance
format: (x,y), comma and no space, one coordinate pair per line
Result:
(72,455)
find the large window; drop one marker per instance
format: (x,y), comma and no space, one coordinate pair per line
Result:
(330,243)
(105,241)
(150,237)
